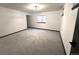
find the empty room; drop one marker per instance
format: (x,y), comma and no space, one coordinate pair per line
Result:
(39,28)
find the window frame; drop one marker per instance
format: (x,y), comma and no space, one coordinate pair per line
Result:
(42,20)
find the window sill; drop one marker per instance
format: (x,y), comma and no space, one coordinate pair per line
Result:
(41,22)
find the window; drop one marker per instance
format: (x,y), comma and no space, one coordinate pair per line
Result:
(41,19)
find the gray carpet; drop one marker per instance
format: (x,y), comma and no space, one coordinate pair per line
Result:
(32,42)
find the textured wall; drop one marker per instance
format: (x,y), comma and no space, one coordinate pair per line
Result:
(53,20)
(11,21)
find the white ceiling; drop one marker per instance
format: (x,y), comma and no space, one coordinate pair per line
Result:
(24,6)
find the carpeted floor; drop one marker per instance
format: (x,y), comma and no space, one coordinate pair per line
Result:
(32,42)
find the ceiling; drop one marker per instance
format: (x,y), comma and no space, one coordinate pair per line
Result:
(25,7)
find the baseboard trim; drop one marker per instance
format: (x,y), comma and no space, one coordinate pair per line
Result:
(12,33)
(44,29)
(62,44)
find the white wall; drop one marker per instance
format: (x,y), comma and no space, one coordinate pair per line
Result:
(68,25)
(11,21)
(53,20)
